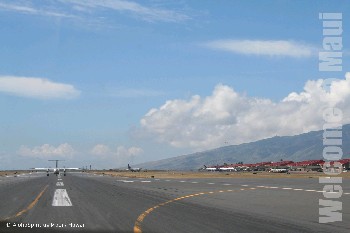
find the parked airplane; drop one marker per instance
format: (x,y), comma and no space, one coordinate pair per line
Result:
(56,171)
(279,170)
(212,169)
(133,169)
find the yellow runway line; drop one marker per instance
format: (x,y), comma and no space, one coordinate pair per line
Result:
(30,206)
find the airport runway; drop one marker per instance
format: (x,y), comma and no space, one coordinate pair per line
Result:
(81,202)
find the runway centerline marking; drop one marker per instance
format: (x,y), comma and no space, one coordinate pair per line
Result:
(61,198)
(30,206)
(59,184)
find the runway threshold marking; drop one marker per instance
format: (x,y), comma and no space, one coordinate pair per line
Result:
(30,206)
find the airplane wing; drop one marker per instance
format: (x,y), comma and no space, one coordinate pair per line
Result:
(43,168)
(68,168)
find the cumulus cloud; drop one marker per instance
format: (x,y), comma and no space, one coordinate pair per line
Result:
(126,152)
(263,47)
(120,156)
(100,149)
(37,88)
(47,151)
(207,122)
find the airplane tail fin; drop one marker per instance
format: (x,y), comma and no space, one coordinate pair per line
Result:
(129,166)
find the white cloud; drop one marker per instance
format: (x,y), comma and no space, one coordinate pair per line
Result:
(122,151)
(20,8)
(141,11)
(207,122)
(119,157)
(47,151)
(264,47)
(100,149)
(133,151)
(36,88)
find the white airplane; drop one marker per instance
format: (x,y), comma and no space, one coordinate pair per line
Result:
(279,170)
(133,169)
(56,171)
(212,169)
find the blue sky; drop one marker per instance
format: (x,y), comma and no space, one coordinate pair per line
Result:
(114,82)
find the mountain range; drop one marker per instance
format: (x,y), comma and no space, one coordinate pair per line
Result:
(301,147)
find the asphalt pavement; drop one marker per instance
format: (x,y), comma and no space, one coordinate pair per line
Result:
(84,202)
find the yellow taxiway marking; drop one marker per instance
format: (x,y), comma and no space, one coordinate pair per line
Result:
(30,206)
(138,222)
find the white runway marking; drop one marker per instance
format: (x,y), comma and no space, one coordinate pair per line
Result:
(182,181)
(287,188)
(194,182)
(145,181)
(298,189)
(310,190)
(245,185)
(226,184)
(273,187)
(167,180)
(261,186)
(59,184)
(128,181)
(344,193)
(59,179)
(211,183)
(61,198)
